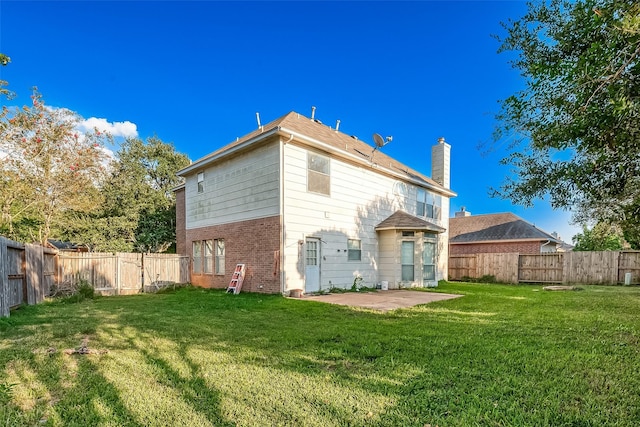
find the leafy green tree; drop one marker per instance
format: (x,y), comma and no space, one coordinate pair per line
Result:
(576,123)
(47,167)
(137,211)
(602,237)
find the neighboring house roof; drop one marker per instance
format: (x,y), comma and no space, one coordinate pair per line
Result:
(400,220)
(313,133)
(494,227)
(66,246)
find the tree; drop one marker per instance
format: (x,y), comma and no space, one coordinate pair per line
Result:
(138,205)
(576,123)
(602,237)
(47,168)
(4,60)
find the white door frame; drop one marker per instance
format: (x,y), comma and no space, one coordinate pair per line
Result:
(312,258)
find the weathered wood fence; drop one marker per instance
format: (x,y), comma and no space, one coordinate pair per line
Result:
(607,268)
(121,273)
(29,273)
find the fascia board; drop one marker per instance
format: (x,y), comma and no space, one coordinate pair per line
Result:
(341,153)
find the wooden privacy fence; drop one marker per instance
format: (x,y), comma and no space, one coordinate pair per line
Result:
(29,273)
(607,268)
(121,273)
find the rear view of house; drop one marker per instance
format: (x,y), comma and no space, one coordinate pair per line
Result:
(306,207)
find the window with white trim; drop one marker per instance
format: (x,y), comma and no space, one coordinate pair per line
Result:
(354,250)
(200,182)
(406,260)
(220,256)
(197,256)
(429,258)
(426,204)
(318,174)
(207,255)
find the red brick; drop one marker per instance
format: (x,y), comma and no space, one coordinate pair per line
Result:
(531,247)
(252,243)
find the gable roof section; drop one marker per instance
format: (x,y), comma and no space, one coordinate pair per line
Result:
(309,132)
(494,227)
(400,220)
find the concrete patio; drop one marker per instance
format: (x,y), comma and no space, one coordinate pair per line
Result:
(381,300)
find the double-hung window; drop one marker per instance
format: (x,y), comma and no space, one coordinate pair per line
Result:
(406,260)
(220,256)
(318,174)
(354,250)
(208,256)
(429,258)
(197,257)
(201,182)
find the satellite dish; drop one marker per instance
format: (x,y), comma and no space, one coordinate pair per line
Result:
(377,138)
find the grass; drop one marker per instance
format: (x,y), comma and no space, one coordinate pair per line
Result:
(500,356)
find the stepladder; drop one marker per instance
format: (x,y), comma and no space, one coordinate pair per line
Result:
(235,285)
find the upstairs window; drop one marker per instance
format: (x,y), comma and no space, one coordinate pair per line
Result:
(421,202)
(200,182)
(426,205)
(318,177)
(354,250)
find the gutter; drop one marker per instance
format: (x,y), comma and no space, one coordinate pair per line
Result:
(206,160)
(198,164)
(356,159)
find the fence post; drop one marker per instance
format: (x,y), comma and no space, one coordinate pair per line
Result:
(4,279)
(117,273)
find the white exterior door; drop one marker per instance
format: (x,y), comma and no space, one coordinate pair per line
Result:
(312,265)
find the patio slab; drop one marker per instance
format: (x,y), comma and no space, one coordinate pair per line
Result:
(382,300)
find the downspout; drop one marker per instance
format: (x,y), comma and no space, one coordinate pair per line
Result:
(544,244)
(282,223)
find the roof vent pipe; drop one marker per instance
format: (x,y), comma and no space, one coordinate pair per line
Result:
(313,113)
(337,125)
(258,119)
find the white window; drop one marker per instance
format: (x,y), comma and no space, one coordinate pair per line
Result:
(197,257)
(421,202)
(318,176)
(426,204)
(208,256)
(354,250)
(200,182)
(429,258)
(406,259)
(220,256)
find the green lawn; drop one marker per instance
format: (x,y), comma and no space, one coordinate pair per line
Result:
(499,356)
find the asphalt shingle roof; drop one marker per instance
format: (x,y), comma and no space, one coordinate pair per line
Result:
(403,221)
(359,150)
(492,227)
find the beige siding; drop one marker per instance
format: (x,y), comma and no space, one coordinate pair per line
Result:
(360,199)
(239,189)
(389,257)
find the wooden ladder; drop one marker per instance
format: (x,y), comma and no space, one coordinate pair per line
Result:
(236,279)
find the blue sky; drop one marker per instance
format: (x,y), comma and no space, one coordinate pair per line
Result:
(195,74)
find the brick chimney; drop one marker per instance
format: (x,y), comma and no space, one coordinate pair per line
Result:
(440,163)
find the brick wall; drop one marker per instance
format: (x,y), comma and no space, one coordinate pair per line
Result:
(492,248)
(181,223)
(254,243)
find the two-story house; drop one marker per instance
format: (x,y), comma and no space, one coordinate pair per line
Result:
(306,207)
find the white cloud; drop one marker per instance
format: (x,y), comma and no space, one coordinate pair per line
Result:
(124,129)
